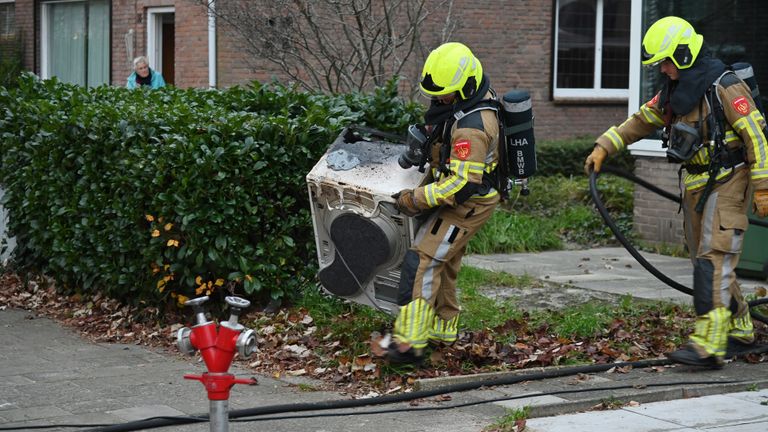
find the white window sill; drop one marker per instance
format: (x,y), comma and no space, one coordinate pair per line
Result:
(647,147)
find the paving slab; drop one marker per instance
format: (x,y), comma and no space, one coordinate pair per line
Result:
(93,383)
(741,412)
(51,376)
(708,411)
(610,270)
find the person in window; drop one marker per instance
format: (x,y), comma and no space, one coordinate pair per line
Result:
(143,75)
(461,197)
(713,128)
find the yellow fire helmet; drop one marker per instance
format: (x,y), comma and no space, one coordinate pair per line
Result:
(449,68)
(674,38)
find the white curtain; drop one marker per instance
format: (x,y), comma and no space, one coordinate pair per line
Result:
(74,55)
(98,43)
(66,41)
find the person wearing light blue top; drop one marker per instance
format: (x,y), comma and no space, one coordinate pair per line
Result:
(143,75)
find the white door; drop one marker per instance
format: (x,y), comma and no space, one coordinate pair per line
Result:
(155,19)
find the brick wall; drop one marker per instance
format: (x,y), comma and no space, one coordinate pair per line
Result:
(518,54)
(512,39)
(232,66)
(656,219)
(126,22)
(25,23)
(191,28)
(129,22)
(191,45)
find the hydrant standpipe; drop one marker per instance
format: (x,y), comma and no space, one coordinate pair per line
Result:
(217,348)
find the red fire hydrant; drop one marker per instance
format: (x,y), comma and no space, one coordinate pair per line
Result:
(218,349)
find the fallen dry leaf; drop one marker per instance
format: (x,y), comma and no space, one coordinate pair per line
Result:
(292,342)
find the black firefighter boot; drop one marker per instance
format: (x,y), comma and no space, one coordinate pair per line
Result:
(689,355)
(710,331)
(396,354)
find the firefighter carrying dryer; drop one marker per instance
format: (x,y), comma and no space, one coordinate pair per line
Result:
(460,198)
(711,126)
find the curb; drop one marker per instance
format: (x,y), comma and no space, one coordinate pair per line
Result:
(543,407)
(684,392)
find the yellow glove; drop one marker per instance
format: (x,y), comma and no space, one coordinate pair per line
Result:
(760,203)
(595,160)
(406,203)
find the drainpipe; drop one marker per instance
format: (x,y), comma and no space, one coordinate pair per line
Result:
(211,43)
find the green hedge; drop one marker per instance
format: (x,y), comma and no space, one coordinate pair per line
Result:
(153,195)
(566,157)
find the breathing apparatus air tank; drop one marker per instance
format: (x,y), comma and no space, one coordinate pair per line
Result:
(518,130)
(745,72)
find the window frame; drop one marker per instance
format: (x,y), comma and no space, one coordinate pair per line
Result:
(595,92)
(154,35)
(45,72)
(646,146)
(15,26)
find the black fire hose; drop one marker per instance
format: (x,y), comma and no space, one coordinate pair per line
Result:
(633,251)
(157,422)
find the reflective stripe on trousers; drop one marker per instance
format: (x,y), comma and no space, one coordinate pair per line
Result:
(444,331)
(715,239)
(414,323)
(711,331)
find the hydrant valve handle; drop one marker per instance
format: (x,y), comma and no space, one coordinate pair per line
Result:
(196,301)
(219,385)
(246,381)
(237,302)
(236,306)
(197,306)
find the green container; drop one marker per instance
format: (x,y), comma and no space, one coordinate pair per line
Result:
(754,256)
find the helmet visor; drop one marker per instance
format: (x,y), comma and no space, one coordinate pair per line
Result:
(429,88)
(650,60)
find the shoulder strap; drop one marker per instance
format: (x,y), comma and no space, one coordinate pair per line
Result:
(485,104)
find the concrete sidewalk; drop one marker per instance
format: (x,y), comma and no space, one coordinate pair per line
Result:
(610,270)
(733,412)
(52,376)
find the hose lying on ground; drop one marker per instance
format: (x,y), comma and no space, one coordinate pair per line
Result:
(633,251)
(387,399)
(248,414)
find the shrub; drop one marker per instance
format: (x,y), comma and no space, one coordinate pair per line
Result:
(566,157)
(148,195)
(558,211)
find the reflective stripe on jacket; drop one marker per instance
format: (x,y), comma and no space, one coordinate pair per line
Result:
(474,151)
(744,127)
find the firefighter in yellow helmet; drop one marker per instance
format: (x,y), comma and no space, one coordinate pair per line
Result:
(460,196)
(712,127)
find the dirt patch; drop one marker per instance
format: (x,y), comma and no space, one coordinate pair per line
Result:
(549,296)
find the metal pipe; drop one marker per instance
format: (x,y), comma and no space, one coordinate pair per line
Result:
(219,415)
(212,66)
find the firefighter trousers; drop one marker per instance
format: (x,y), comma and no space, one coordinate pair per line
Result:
(429,308)
(715,238)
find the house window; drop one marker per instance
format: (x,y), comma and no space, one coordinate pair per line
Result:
(592,49)
(75,41)
(7,19)
(732,34)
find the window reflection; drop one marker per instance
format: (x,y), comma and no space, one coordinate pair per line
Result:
(732,30)
(593,39)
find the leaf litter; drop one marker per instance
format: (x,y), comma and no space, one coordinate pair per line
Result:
(290,344)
